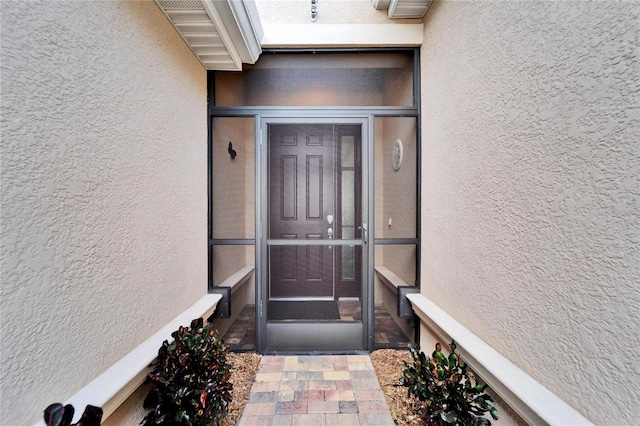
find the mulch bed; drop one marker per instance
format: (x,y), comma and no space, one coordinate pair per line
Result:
(245,368)
(388,364)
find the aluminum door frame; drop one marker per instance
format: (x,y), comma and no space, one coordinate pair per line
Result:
(311,338)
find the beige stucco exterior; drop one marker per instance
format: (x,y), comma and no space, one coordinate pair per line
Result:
(104,191)
(530,181)
(530,176)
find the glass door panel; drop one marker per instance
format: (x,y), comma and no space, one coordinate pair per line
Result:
(396,177)
(232,252)
(396,225)
(233,180)
(320,79)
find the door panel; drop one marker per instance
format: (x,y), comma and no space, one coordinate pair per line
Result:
(348,274)
(301,194)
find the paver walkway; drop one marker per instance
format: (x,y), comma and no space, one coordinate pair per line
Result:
(333,390)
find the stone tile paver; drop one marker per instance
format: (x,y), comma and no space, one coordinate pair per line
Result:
(336,375)
(264,397)
(310,375)
(339,395)
(365,384)
(255,421)
(375,419)
(321,406)
(355,366)
(287,395)
(259,409)
(321,390)
(272,359)
(344,385)
(289,375)
(294,385)
(348,406)
(369,395)
(309,395)
(363,374)
(291,366)
(268,377)
(291,407)
(282,420)
(322,385)
(371,407)
(271,368)
(343,419)
(265,386)
(320,367)
(317,419)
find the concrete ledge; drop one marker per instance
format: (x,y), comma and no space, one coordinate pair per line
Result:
(236,280)
(530,399)
(118,382)
(394,298)
(389,278)
(228,288)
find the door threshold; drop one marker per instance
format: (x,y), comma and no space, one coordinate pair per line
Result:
(330,336)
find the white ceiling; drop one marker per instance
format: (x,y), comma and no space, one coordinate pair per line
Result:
(224,34)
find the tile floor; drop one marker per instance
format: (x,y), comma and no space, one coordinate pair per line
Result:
(316,390)
(242,334)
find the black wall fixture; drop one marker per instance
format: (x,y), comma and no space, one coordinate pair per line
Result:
(232,152)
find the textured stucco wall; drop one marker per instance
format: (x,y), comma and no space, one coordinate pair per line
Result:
(530,213)
(104,191)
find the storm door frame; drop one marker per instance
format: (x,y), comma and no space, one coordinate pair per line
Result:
(259,113)
(331,337)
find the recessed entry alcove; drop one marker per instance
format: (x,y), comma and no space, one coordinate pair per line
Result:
(314,220)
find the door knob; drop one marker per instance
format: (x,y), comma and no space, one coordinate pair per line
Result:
(330,232)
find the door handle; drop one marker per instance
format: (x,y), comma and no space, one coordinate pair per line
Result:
(365,233)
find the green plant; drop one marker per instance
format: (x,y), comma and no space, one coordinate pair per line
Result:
(449,392)
(59,415)
(191,377)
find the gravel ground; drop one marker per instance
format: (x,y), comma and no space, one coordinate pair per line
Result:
(388,364)
(245,367)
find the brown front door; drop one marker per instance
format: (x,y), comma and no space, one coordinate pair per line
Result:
(302,202)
